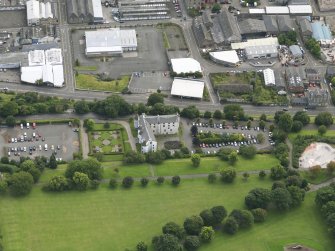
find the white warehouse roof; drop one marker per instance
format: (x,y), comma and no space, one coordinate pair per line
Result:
(185,65)
(276,10)
(256,11)
(261,49)
(53,56)
(111,40)
(255,42)
(36,57)
(44,65)
(300,9)
(33,9)
(225,56)
(97,9)
(187,88)
(269,77)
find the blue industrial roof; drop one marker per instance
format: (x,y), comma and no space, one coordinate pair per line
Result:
(321,31)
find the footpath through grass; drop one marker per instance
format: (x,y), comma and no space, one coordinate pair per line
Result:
(91,82)
(117,219)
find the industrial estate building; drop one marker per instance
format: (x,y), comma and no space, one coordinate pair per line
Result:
(185,65)
(110,42)
(188,88)
(84,11)
(322,33)
(39,11)
(149,126)
(227,58)
(44,67)
(269,77)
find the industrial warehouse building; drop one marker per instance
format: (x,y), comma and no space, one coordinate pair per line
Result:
(188,88)
(84,11)
(110,42)
(227,58)
(39,11)
(44,67)
(185,65)
(261,51)
(322,33)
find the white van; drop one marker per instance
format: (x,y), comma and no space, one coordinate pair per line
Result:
(21,126)
(46,147)
(27,125)
(34,135)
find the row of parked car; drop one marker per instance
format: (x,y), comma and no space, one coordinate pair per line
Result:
(270,139)
(221,126)
(235,143)
(17,150)
(24,137)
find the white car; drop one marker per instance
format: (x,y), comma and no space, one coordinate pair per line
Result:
(21,126)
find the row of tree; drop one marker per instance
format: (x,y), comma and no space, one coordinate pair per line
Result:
(128,181)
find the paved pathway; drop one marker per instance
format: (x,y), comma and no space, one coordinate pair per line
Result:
(84,140)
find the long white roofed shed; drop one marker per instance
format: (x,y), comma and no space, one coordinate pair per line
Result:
(185,65)
(269,77)
(187,88)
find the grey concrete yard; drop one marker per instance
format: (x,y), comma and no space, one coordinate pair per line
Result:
(150,56)
(13,19)
(54,135)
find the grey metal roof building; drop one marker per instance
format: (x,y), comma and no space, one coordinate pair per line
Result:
(305,27)
(261,51)
(201,33)
(296,51)
(298,2)
(270,23)
(229,26)
(284,23)
(84,11)
(252,26)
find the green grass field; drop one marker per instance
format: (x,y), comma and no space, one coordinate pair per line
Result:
(91,82)
(117,219)
(329,133)
(213,164)
(86,68)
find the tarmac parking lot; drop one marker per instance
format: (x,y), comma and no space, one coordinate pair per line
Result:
(150,55)
(249,134)
(41,141)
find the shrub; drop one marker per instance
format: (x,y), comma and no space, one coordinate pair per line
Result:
(144,181)
(141,246)
(175,180)
(212,177)
(193,225)
(127,182)
(192,242)
(160,180)
(228,175)
(259,214)
(20,183)
(173,229)
(113,183)
(207,234)
(230,225)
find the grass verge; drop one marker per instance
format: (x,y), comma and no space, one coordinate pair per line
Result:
(91,82)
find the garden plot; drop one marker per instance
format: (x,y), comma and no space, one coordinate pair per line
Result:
(107,142)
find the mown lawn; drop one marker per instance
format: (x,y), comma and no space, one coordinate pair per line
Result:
(213,164)
(117,219)
(86,68)
(91,82)
(329,133)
